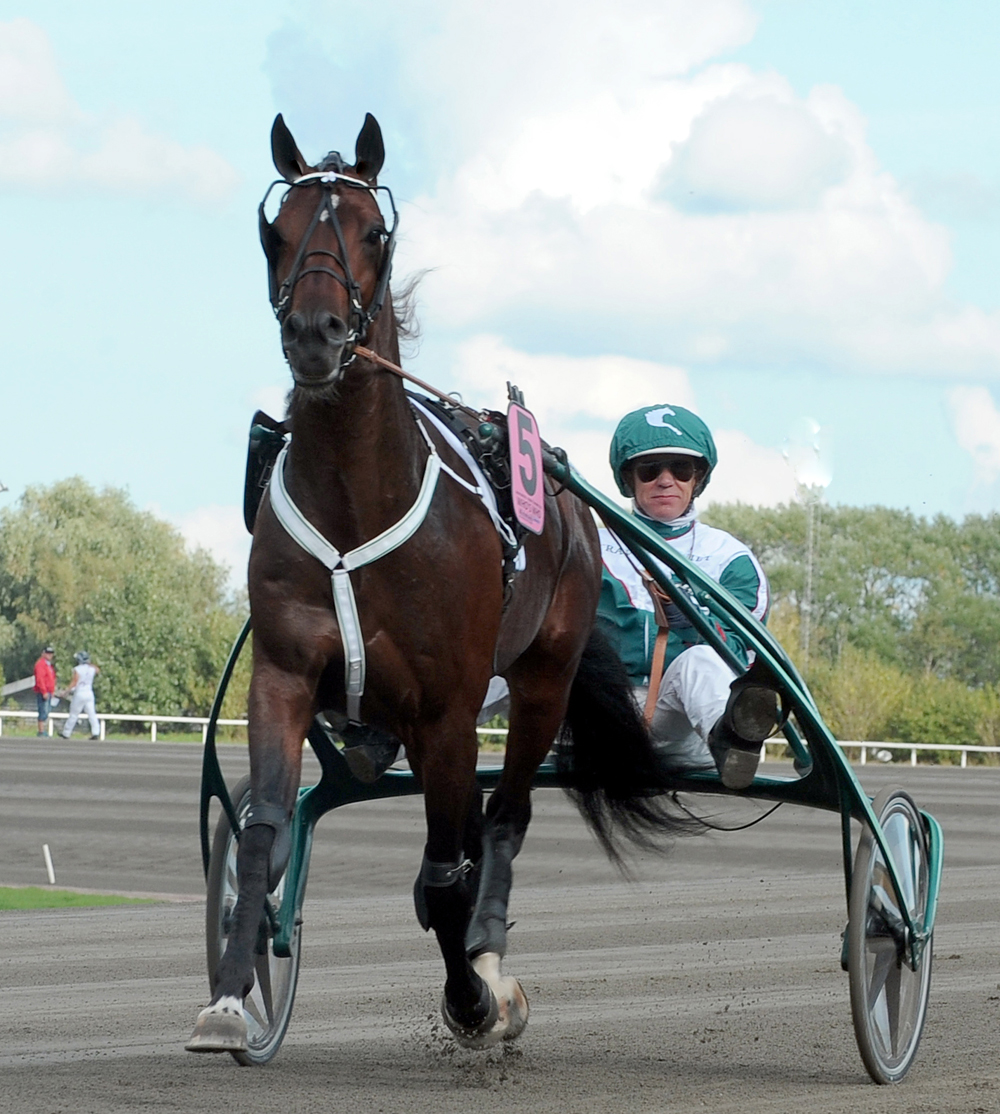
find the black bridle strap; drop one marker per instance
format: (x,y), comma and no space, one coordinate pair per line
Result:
(361,319)
(297,271)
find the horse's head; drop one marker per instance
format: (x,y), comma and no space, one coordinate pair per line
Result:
(329,252)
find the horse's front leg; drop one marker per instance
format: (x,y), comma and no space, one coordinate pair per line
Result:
(280,711)
(445,762)
(537,709)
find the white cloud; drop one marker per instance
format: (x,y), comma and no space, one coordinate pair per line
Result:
(755,153)
(749,473)
(507,59)
(48,142)
(976,422)
(558,146)
(795,248)
(31,89)
(221,531)
(578,401)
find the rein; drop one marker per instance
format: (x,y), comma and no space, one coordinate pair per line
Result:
(368,354)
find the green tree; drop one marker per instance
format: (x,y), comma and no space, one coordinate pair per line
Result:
(84,569)
(905,641)
(861,696)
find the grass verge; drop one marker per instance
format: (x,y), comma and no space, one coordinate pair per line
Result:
(41,897)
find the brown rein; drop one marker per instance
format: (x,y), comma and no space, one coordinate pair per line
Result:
(368,354)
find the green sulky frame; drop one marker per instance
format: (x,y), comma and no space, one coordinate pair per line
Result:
(826,779)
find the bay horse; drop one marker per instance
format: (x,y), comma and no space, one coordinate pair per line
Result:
(409,643)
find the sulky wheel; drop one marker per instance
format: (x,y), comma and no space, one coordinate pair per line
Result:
(268,1006)
(889,998)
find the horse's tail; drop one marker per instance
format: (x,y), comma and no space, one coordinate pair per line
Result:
(606,758)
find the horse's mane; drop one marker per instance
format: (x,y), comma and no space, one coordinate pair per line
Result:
(404,309)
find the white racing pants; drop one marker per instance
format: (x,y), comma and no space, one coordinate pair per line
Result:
(693,695)
(82,702)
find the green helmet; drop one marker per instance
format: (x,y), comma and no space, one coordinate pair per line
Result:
(661,429)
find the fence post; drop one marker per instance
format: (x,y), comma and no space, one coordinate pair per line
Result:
(104,729)
(913,757)
(152,731)
(864,756)
(965,756)
(204,734)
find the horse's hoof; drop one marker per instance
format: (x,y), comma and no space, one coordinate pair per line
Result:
(220,1028)
(477,1037)
(512,1002)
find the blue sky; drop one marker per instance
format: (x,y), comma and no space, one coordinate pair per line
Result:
(775,211)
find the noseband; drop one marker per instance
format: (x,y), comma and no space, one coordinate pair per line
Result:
(280,294)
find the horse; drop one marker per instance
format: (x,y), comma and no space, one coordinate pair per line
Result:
(404,645)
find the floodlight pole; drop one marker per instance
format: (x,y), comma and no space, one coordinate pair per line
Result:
(811,495)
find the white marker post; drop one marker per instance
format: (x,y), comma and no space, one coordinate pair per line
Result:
(48,864)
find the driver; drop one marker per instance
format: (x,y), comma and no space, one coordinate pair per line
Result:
(663,457)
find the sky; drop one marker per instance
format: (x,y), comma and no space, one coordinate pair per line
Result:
(783,214)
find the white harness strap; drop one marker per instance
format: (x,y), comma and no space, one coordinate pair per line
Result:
(340,564)
(480,486)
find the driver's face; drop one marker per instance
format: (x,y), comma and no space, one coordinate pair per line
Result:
(665,497)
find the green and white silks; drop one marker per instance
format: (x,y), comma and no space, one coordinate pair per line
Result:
(625,609)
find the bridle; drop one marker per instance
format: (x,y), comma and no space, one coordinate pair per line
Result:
(280,294)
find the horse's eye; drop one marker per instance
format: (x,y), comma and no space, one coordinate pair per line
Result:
(376,236)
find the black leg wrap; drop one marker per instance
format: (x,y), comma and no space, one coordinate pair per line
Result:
(438,876)
(487,931)
(276,818)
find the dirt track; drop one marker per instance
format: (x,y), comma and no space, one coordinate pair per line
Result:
(713,981)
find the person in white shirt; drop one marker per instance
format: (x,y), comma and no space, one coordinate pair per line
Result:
(82,696)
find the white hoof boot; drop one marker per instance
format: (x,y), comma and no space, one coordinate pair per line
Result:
(220,1027)
(512,1002)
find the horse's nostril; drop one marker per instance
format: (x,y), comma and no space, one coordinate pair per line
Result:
(291,327)
(305,330)
(334,327)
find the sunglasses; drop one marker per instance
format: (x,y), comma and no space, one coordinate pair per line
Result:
(682,468)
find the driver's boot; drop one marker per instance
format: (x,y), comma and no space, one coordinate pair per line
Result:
(735,741)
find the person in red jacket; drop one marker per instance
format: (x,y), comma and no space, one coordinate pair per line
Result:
(45,686)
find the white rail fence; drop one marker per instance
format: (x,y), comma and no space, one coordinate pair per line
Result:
(196,722)
(867,749)
(872,749)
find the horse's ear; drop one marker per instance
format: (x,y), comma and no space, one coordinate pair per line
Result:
(369,151)
(288,160)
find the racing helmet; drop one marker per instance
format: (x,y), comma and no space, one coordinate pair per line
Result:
(659,429)
(81,658)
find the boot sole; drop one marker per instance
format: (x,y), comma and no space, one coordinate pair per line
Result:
(739,768)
